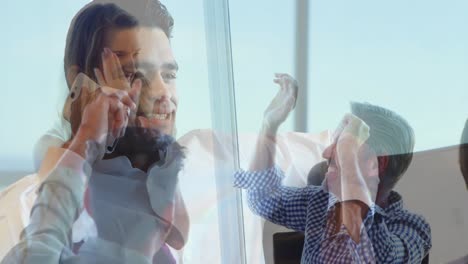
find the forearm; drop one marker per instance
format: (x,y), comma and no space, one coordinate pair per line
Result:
(58,203)
(82,144)
(66,176)
(355,185)
(265,150)
(178,234)
(351,215)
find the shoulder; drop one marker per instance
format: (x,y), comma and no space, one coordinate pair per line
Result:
(404,223)
(396,211)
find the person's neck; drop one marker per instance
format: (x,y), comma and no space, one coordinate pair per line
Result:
(139,161)
(382,197)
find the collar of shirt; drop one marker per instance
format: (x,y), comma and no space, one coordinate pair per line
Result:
(395,203)
(118,166)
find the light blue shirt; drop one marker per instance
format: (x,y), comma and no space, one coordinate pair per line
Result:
(47,239)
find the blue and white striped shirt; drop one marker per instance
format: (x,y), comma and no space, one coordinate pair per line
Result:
(390,235)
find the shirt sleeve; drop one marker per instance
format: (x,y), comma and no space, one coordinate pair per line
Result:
(403,239)
(282,205)
(400,238)
(59,201)
(341,247)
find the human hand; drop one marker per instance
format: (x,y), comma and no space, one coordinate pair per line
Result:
(351,133)
(282,104)
(103,119)
(355,161)
(112,74)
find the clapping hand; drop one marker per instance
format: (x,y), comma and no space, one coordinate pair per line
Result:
(282,104)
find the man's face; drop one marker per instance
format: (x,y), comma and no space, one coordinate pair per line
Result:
(352,173)
(147,51)
(342,154)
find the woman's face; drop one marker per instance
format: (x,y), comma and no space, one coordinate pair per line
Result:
(126,45)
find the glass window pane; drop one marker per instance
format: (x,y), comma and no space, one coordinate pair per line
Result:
(33,79)
(410,57)
(34,85)
(263,43)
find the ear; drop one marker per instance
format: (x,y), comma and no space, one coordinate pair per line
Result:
(72,72)
(382,163)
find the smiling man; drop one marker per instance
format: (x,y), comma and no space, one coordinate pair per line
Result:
(355,216)
(131,191)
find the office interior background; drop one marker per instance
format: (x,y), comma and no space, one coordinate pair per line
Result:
(409,56)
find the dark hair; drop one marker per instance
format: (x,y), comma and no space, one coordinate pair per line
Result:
(463,154)
(390,136)
(85,39)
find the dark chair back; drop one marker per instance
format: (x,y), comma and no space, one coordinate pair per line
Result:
(287,248)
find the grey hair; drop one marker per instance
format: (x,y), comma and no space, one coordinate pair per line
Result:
(390,136)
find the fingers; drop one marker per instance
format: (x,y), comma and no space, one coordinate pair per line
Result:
(99,77)
(284,81)
(122,95)
(356,126)
(135,91)
(118,105)
(282,75)
(279,79)
(340,127)
(283,78)
(128,101)
(107,64)
(288,86)
(112,68)
(125,105)
(352,127)
(345,122)
(117,70)
(118,117)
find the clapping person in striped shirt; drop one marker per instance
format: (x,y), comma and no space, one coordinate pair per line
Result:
(355,216)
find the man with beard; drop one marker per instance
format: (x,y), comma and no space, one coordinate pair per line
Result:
(131,192)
